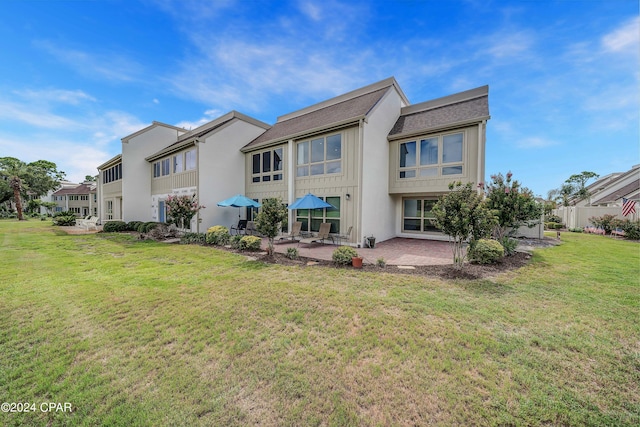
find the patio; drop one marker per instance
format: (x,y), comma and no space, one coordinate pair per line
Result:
(396,251)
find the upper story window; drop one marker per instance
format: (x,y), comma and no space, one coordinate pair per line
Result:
(178,163)
(114,173)
(435,156)
(161,168)
(319,156)
(190,160)
(267,165)
(84,197)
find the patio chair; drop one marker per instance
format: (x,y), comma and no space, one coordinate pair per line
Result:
(251,230)
(239,228)
(91,223)
(346,236)
(80,221)
(323,234)
(295,233)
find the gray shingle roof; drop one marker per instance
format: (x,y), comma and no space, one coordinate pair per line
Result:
(444,112)
(341,112)
(612,196)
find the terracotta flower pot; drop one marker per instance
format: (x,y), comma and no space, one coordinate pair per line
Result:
(356,261)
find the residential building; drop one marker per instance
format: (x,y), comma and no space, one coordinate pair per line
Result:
(81,199)
(380,161)
(606,198)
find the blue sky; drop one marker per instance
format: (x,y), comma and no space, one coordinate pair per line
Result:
(76,76)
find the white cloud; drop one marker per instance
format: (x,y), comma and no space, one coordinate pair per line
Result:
(624,38)
(29,114)
(73,97)
(208,116)
(311,10)
(107,65)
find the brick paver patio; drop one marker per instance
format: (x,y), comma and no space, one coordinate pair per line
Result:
(396,251)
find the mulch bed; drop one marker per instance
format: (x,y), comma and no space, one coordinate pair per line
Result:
(469,272)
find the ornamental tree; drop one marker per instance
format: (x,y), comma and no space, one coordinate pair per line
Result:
(181,209)
(268,220)
(463,215)
(578,182)
(512,204)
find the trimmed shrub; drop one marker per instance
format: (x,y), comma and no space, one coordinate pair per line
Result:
(554,218)
(114,226)
(509,245)
(576,230)
(486,251)
(292,253)
(146,227)
(631,229)
(162,231)
(63,218)
(193,238)
(133,225)
(381,262)
(218,235)
(250,243)
(234,241)
(343,255)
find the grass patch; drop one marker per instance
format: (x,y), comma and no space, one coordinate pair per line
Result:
(141,333)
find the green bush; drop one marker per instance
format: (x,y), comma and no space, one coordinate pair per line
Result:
(146,227)
(133,225)
(576,230)
(193,239)
(509,245)
(606,222)
(381,262)
(292,253)
(114,226)
(65,218)
(486,251)
(343,255)
(631,229)
(250,243)
(554,218)
(218,235)
(235,241)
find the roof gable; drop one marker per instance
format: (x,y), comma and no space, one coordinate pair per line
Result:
(334,112)
(458,109)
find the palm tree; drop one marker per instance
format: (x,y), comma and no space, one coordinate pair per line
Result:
(11,169)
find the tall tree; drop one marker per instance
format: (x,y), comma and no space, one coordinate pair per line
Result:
(579,183)
(268,221)
(36,178)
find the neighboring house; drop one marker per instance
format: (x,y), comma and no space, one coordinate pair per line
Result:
(379,160)
(81,199)
(606,198)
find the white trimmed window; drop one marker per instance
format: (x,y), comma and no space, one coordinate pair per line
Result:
(432,157)
(178,163)
(267,165)
(162,168)
(312,218)
(190,160)
(319,156)
(417,216)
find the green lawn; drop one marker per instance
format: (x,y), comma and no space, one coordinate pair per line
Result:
(140,333)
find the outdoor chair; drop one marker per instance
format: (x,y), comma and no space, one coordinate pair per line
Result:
(239,228)
(346,236)
(295,233)
(323,234)
(251,230)
(91,223)
(80,221)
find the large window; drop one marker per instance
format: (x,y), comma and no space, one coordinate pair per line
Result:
(162,168)
(319,156)
(417,216)
(178,163)
(312,218)
(267,165)
(435,156)
(190,160)
(114,173)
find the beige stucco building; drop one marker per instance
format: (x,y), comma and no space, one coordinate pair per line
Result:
(379,160)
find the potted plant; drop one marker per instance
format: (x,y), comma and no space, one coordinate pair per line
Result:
(356,262)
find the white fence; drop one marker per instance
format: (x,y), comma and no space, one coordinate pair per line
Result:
(578,217)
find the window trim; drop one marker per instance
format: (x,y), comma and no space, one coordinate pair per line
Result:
(273,174)
(421,218)
(309,217)
(420,171)
(307,164)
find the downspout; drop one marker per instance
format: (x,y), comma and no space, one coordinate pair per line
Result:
(197,144)
(291,179)
(481,149)
(360,173)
